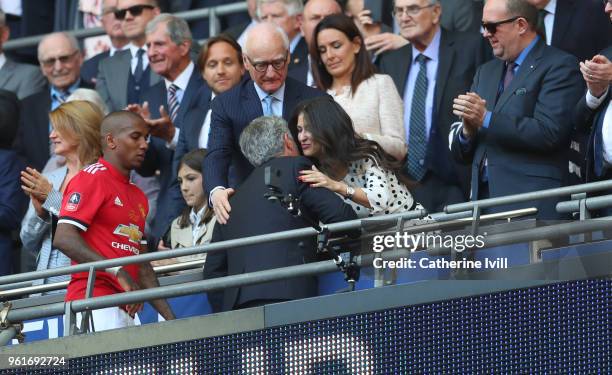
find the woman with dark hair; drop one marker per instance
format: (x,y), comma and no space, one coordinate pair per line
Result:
(341,65)
(194,226)
(347,164)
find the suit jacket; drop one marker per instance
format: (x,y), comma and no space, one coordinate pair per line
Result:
(159,157)
(32,142)
(587,120)
(22,79)
(227,124)
(236,30)
(89,70)
(248,207)
(298,66)
(113,76)
(192,125)
(459,56)
(528,136)
(581,28)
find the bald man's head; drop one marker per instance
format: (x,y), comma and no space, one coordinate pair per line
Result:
(124,140)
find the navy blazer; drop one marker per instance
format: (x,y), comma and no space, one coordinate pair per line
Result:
(89,69)
(459,56)
(32,141)
(298,66)
(527,140)
(232,111)
(248,207)
(586,120)
(159,157)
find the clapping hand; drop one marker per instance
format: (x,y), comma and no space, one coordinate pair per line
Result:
(163,127)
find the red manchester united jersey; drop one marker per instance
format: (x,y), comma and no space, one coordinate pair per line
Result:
(110,211)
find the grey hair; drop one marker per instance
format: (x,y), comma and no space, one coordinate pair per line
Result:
(263,139)
(293,6)
(74,43)
(89,95)
(2,18)
(278,30)
(176,28)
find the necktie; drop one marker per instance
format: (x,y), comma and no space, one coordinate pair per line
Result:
(417,143)
(138,71)
(541,27)
(509,76)
(267,109)
(173,102)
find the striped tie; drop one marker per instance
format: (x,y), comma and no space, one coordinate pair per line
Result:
(417,140)
(173,102)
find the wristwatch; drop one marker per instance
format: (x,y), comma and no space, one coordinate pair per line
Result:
(350,191)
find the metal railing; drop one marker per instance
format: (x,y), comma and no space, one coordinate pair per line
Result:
(212,13)
(88,304)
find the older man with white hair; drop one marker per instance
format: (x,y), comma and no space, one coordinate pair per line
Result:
(268,92)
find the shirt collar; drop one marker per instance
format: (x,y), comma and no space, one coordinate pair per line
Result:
(113,50)
(134,49)
(278,94)
(55,92)
(2,60)
(183,79)
(114,171)
(294,42)
(196,217)
(432,51)
(523,55)
(551,7)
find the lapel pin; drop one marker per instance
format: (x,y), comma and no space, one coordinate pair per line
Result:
(296,60)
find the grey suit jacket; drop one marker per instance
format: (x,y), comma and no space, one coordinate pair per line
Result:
(22,79)
(113,76)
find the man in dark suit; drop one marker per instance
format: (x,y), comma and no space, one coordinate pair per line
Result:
(287,14)
(22,79)
(451,61)
(517,119)
(112,28)
(268,92)
(222,68)
(60,62)
(123,77)
(593,114)
(267,143)
(165,105)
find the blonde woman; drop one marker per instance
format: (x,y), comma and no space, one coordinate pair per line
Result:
(75,135)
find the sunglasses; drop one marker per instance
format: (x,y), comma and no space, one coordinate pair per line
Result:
(491,27)
(135,11)
(47,63)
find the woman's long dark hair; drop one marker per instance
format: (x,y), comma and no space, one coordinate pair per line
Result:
(364,68)
(332,129)
(194,160)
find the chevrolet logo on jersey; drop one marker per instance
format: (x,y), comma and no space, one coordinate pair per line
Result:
(132,232)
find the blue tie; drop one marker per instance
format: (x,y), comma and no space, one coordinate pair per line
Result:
(173,101)
(138,71)
(417,142)
(267,109)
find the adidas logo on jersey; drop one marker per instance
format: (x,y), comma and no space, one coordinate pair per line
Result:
(118,202)
(92,169)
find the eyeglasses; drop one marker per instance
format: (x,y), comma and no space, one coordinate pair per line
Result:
(411,10)
(262,66)
(135,11)
(491,27)
(64,59)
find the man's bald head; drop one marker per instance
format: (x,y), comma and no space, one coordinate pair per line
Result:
(124,140)
(265,35)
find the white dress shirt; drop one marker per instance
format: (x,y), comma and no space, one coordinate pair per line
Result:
(145,59)
(203,138)
(606,131)
(2,60)
(181,82)
(549,20)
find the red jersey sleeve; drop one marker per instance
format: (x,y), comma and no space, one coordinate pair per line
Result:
(83,196)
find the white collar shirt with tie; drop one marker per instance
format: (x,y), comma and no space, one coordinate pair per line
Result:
(203,139)
(549,20)
(181,83)
(134,52)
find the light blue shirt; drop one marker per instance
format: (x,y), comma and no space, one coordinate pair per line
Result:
(277,102)
(519,62)
(432,52)
(55,94)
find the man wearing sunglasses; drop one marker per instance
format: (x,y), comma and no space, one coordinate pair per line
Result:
(269,92)
(123,77)
(118,41)
(447,54)
(516,120)
(60,62)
